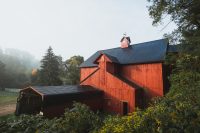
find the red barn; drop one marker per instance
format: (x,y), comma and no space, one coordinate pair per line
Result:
(129,75)
(114,80)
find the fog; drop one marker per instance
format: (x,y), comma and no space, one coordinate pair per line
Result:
(17,67)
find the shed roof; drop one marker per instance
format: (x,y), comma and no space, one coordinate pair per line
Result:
(64,90)
(153,51)
(52,95)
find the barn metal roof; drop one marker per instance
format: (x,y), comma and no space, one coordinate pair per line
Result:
(69,89)
(153,51)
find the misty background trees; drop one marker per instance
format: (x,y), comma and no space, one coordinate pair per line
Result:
(15,68)
(19,69)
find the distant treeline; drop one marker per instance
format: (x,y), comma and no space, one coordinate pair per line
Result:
(19,69)
(15,68)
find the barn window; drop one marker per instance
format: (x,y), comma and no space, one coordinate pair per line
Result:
(125,107)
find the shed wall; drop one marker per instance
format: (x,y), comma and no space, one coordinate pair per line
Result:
(59,109)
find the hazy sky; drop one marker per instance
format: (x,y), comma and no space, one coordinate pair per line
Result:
(74,27)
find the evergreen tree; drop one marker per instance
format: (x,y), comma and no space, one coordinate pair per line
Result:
(50,69)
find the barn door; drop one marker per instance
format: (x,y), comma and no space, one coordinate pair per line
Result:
(125,108)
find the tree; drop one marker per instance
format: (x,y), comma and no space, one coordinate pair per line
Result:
(2,75)
(72,75)
(185,13)
(18,65)
(50,70)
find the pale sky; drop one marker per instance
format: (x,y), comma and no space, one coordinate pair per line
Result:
(74,27)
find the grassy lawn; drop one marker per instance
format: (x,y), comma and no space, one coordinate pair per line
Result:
(7,104)
(8,97)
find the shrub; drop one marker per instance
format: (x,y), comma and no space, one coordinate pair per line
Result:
(78,120)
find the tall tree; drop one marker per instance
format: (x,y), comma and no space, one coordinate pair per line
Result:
(49,73)
(186,14)
(72,75)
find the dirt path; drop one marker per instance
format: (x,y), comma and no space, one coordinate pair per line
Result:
(7,109)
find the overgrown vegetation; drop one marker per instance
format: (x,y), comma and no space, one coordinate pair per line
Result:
(78,120)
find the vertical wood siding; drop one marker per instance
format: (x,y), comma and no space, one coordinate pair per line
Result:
(86,72)
(115,90)
(148,76)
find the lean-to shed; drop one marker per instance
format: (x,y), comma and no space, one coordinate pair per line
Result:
(52,100)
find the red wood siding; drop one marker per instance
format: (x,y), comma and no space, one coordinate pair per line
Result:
(86,72)
(148,76)
(115,90)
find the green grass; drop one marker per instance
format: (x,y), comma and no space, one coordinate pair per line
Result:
(9,116)
(8,97)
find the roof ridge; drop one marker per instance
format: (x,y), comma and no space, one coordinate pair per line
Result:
(146,42)
(144,52)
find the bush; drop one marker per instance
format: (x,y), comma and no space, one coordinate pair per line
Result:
(23,123)
(78,120)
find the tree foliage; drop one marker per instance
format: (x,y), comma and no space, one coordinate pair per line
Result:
(50,69)
(56,72)
(72,73)
(186,14)
(80,119)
